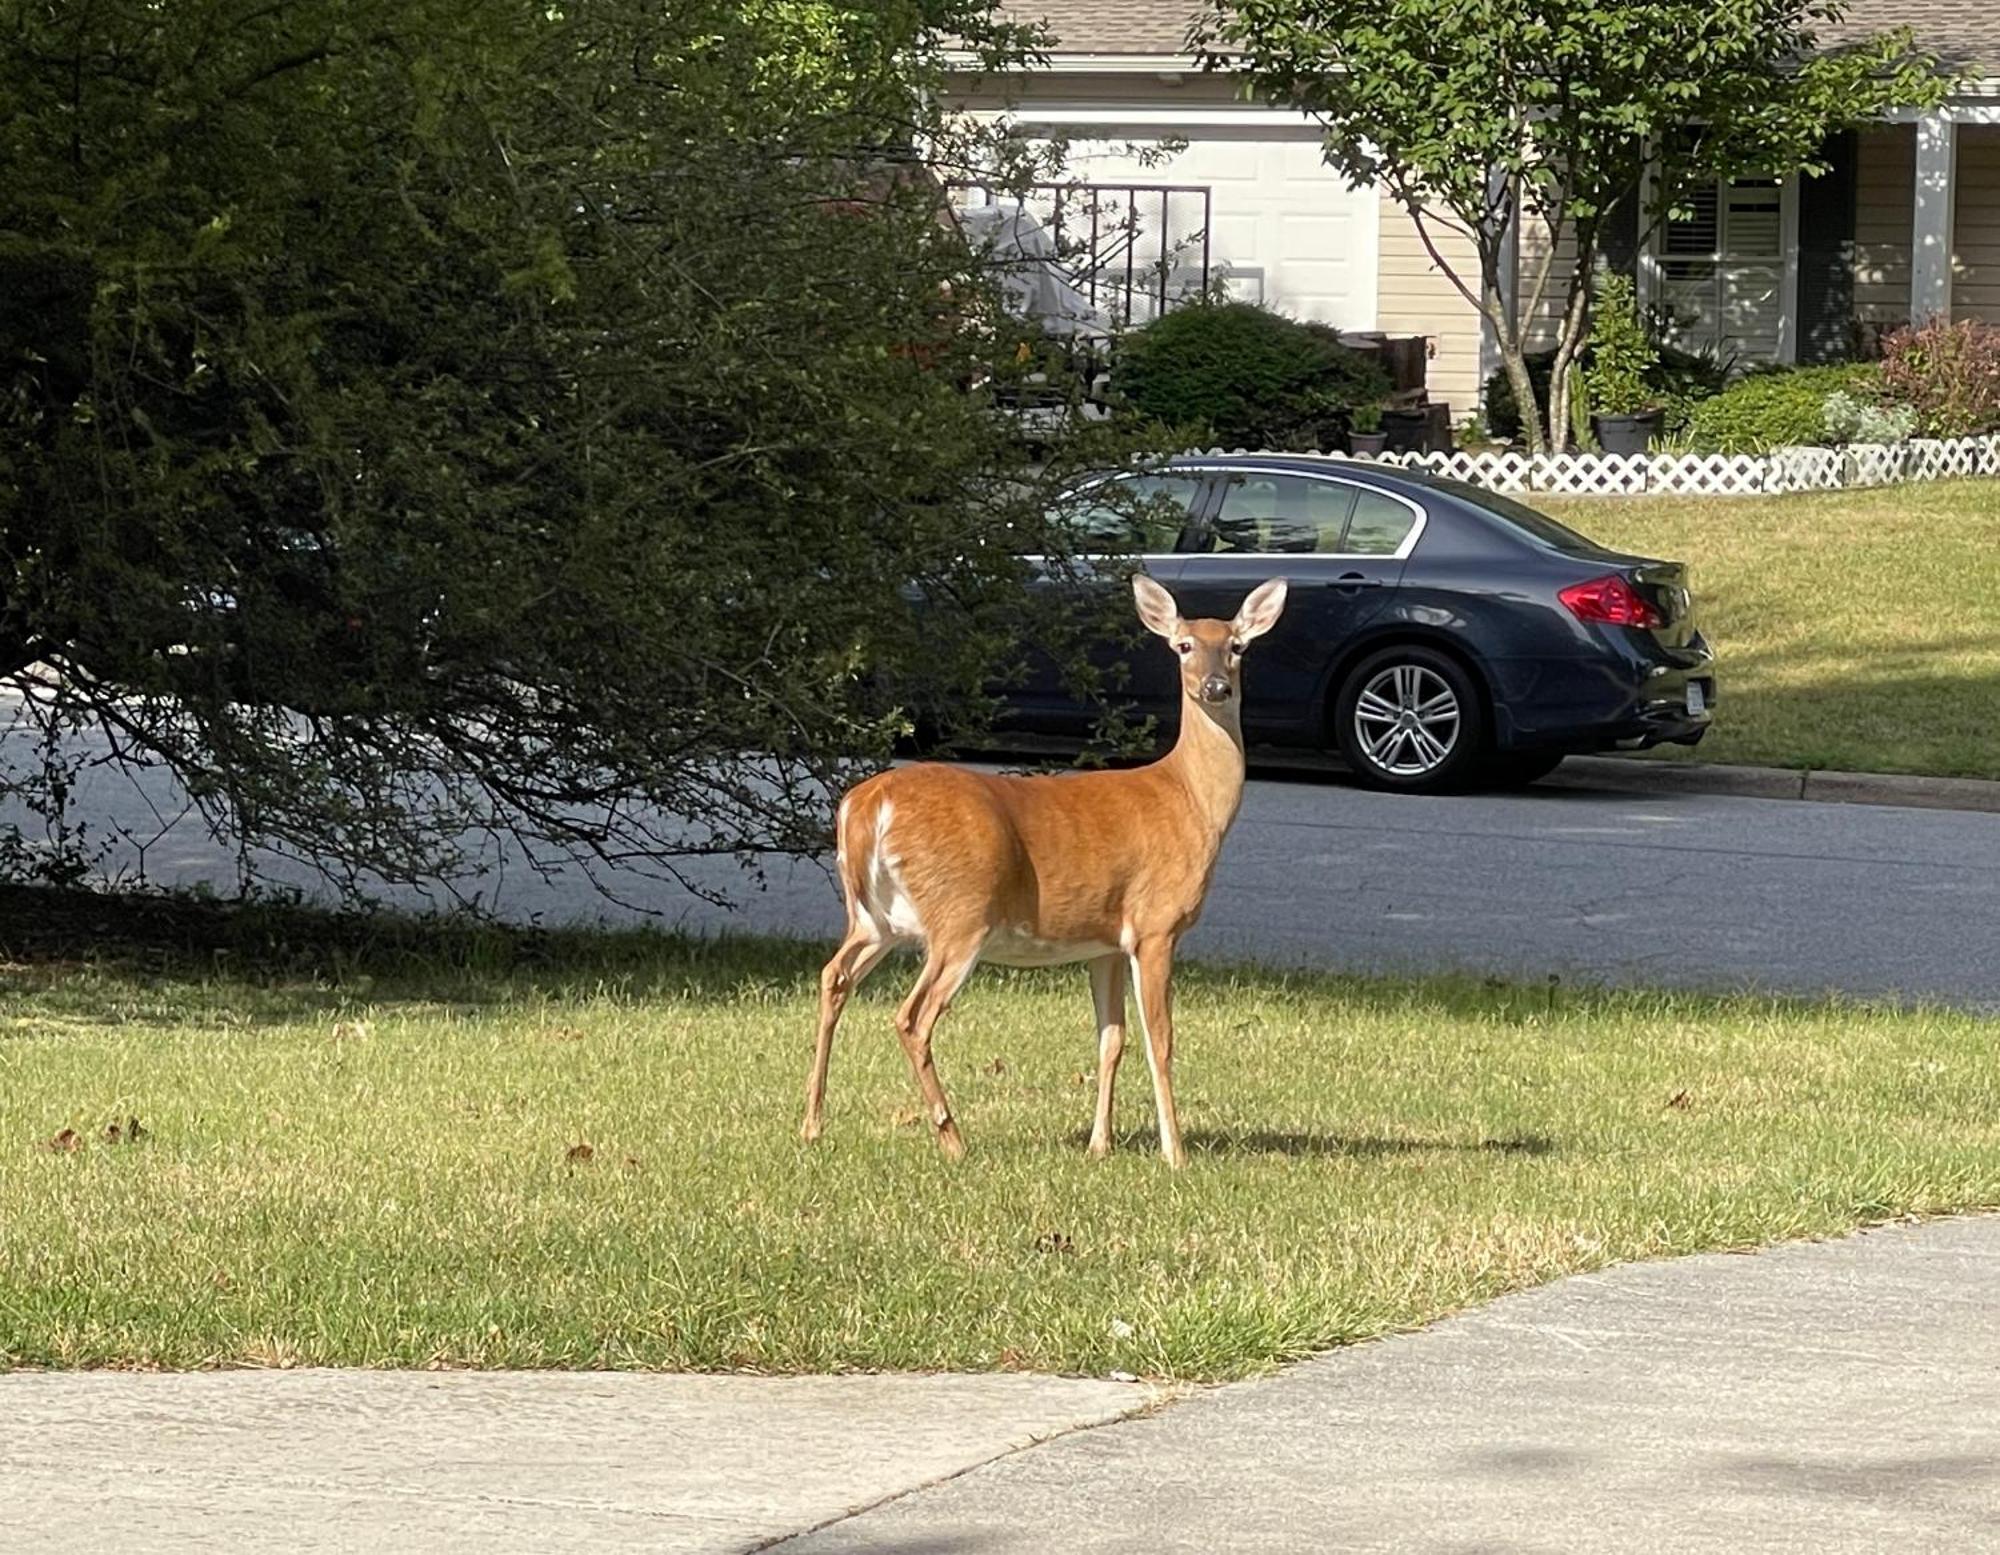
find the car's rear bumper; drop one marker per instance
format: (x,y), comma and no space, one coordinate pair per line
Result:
(1630,699)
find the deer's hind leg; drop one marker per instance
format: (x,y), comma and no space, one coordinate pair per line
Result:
(859,954)
(947,965)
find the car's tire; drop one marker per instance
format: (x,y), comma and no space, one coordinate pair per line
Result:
(1409,719)
(1517,769)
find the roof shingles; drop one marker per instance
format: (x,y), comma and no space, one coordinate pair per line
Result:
(1964,33)
(1111,26)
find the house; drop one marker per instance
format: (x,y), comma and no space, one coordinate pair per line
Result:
(1905,225)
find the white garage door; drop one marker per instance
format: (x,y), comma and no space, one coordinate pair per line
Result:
(1286,229)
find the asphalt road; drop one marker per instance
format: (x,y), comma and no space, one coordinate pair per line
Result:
(1579,884)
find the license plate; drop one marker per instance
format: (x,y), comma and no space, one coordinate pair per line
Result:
(1697,699)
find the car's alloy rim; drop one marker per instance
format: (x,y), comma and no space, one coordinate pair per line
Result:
(1407,718)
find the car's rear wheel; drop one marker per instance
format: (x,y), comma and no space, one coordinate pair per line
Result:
(1409,719)
(1512,769)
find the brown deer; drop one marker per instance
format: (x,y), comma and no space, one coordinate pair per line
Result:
(1105,867)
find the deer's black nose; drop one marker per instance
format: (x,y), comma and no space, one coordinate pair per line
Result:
(1216,688)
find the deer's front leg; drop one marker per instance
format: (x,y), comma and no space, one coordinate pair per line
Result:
(1153,980)
(1107,994)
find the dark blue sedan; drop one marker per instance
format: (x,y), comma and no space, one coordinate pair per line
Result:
(1436,634)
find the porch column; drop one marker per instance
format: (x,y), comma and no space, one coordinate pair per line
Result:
(1930,231)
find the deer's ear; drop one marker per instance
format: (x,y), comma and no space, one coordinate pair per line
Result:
(1260,611)
(1156,606)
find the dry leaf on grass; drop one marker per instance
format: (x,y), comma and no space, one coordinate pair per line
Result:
(579,1152)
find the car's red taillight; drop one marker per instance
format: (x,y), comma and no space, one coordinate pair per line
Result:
(1611,600)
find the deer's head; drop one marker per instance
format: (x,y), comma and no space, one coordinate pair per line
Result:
(1211,652)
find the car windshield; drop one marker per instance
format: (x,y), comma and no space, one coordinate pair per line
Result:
(1525,521)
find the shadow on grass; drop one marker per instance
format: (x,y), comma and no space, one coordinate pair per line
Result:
(1304,1144)
(82,952)
(306,959)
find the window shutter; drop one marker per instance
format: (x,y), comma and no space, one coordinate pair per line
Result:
(1826,256)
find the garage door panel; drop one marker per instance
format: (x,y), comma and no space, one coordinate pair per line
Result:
(1285,226)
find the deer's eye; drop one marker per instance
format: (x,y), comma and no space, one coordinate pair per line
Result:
(1184,649)
(1236,649)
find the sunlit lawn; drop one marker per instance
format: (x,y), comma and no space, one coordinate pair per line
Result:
(1856,630)
(367,1147)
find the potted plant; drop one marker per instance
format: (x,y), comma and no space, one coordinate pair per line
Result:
(1364,430)
(1625,413)
(1476,437)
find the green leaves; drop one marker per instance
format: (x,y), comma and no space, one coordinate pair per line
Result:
(1506,114)
(439,415)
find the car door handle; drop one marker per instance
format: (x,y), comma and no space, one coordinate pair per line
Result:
(1356,580)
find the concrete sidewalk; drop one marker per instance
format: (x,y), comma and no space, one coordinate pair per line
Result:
(1835,1397)
(1826,1398)
(446,1462)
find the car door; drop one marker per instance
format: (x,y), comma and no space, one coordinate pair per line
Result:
(1340,544)
(1142,517)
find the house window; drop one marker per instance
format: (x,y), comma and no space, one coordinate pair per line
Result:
(1722,274)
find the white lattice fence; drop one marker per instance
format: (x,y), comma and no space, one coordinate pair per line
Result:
(1714,475)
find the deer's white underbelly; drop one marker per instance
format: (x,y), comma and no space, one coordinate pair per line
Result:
(1019,947)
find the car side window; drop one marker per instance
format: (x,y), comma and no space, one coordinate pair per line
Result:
(1380,525)
(1280,513)
(1143,514)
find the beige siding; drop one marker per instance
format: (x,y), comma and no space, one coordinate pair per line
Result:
(1975,225)
(1884,192)
(1415,297)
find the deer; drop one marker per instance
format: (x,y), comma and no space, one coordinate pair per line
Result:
(1105,867)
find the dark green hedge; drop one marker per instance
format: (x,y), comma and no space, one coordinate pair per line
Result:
(1247,377)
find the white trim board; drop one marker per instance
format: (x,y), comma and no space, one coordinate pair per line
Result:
(1249,116)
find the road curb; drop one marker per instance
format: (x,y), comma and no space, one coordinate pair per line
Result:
(1636,775)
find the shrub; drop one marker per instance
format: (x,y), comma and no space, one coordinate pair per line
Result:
(1622,355)
(1948,373)
(1679,380)
(1252,378)
(1850,419)
(1503,415)
(1785,406)
(1682,379)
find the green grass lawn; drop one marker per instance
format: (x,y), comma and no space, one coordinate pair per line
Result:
(364,1145)
(1855,630)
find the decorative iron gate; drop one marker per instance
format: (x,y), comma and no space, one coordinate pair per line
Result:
(1131,252)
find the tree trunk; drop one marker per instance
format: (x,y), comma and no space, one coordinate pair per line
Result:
(1514,360)
(1569,338)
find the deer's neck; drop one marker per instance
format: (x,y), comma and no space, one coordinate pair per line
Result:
(1208,760)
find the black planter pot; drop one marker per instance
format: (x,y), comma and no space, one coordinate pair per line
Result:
(1367,442)
(1418,429)
(1626,434)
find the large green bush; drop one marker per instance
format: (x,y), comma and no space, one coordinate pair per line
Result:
(1248,377)
(1778,408)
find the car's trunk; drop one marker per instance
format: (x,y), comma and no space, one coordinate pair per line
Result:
(1664,586)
